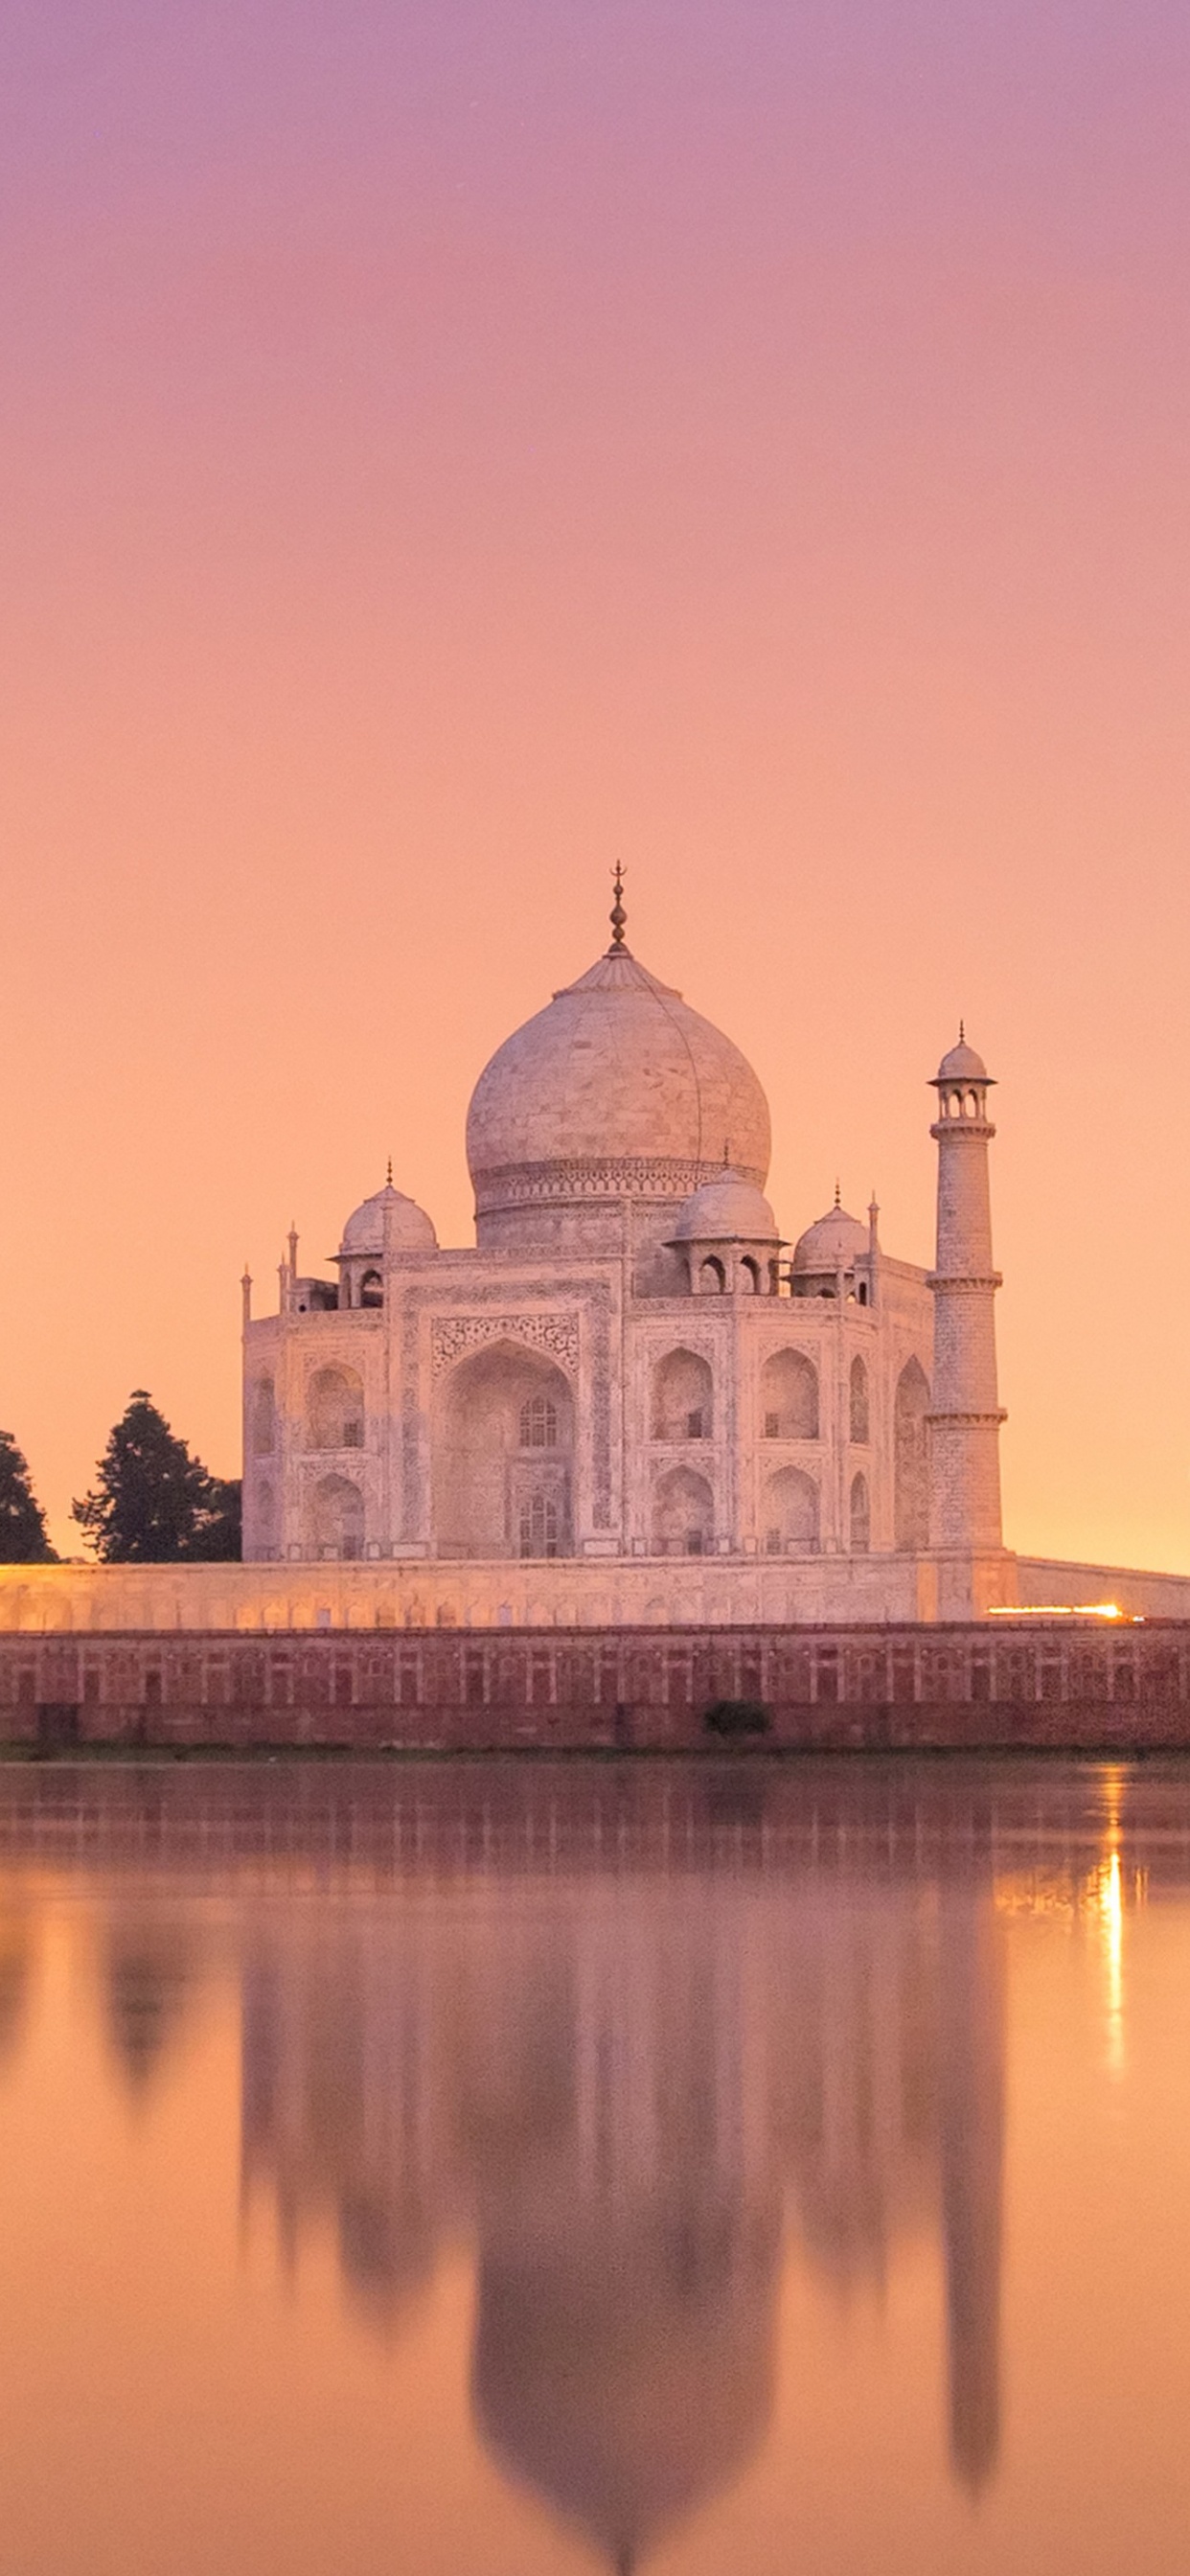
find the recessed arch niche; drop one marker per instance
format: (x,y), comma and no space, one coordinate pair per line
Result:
(911,1495)
(789,1397)
(337,1517)
(791,1513)
(335,1409)
(683,1514)
(683,1397)
(504,1456)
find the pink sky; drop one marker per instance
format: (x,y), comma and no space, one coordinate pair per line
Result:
(449,448)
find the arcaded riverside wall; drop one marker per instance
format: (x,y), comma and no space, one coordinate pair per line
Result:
(1030,1684)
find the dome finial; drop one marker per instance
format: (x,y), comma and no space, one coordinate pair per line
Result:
(962,1033)
(388,1177)
(618,916)
(838,1195)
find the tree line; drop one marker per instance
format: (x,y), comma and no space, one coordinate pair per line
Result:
(152,1502)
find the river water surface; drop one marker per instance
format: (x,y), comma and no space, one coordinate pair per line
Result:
(479,2170)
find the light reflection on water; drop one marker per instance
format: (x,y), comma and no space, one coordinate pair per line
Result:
(699,2073)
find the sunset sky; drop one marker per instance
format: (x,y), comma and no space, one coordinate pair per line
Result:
(452,445)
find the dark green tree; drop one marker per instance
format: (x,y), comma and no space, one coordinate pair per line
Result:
(152,1503)
(22,1523)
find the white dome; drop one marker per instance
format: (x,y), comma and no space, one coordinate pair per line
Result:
(962,1065)
(727,1210)
(616,1087)
(411,1232)
(833,1242)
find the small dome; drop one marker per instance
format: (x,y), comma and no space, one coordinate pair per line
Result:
(833,1242)
(411,1232)
(962,1065)
(729,1210)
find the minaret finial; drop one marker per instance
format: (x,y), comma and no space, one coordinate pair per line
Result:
(389,1173)
(962,1033)
(618,915)
(838,1196)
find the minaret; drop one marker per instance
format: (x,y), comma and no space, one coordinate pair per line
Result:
(965,1416)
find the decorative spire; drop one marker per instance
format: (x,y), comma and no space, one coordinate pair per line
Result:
(838,1196)
(618,916)
(962,1033)
(388,1178)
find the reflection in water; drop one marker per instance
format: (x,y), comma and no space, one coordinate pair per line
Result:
(15,1946)
(625,2088)
(147,1976)
(636,2036)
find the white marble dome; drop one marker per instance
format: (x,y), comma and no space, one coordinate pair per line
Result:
(616,1087)
(834,1242)
(727,1210)
(962,1064)
(411,1231)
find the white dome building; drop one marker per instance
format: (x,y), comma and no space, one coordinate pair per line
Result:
(626,1371)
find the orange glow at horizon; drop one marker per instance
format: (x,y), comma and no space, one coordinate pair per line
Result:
(450,452)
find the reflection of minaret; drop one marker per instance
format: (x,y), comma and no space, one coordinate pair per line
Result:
(341,2103)
(149,1971)
(971,2125)
(14,1981)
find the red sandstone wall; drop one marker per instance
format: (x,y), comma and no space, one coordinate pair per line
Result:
(1038,1684)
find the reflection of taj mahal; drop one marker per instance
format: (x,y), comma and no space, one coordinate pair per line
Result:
(631,1362)
(632,2099)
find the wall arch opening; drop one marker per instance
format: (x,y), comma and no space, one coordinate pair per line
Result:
(264,1418)
(911,1492)
(683,1398)
(337,1517)
(791,1513)
(789,1397)
(861,1517)
(683,1514)
(859,1408)
(504,1456)
(335,1409)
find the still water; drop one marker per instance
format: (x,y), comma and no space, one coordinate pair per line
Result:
(456,2170)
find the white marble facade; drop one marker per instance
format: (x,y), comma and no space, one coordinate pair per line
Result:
(630,1362)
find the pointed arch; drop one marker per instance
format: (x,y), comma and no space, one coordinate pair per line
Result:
(911,1493)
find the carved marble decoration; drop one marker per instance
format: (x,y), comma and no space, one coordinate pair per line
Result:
(453,1336)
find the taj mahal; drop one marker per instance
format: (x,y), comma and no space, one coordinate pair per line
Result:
(633,1375)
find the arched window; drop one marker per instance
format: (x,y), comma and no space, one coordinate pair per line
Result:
(539,1424)
(712,1277)
(683,1514)
(861,1517)
(749,1276)
(859,1403)
(371,1289)
(911,1497)
(790,1521)
(789,1397)
(683,1394)
(539,1525)
(264,1418)
(336,1409)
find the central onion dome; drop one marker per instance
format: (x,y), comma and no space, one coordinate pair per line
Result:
(617,1089)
